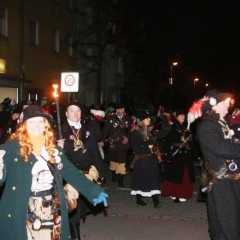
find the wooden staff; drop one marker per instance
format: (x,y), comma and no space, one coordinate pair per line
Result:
(56,96)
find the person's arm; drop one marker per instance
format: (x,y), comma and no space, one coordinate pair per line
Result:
(79,181)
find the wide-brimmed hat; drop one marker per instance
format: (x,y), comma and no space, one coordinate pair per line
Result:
(141,115)
(34,111)
(178,112)
(6,101)
(120,105)
(214,97)
(75,103)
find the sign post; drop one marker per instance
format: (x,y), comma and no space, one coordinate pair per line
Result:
(69,82)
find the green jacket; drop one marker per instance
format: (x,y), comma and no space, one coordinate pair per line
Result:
(18,179)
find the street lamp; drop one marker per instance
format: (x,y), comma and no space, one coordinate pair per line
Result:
(171,70)
(171,82)
(194,85)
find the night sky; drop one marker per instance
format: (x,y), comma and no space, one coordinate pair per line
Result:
(204,35)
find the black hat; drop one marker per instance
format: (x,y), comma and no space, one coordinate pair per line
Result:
(215,97)
(16,110)
(211,93)
(167,110)
(76,103)
(6,101)
(141,115)
(34,111)
(179,112)
(120,105)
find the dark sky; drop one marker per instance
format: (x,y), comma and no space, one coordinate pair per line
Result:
(205,34)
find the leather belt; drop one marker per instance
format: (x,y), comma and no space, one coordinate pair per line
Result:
(42,193)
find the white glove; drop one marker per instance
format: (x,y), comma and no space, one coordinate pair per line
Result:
(2,153)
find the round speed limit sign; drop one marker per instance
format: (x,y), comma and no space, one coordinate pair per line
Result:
(69,80)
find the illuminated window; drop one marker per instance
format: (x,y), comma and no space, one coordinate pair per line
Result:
(3,21)
(33,32)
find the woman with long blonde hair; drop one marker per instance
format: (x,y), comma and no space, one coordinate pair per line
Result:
(32,168)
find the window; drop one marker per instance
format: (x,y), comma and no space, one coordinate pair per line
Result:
(56,40)
(33,32)
(3,21)
(70,45)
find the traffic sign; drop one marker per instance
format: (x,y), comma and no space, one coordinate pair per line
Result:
(69,81)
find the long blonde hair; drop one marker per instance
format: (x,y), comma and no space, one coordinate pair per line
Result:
(26,146)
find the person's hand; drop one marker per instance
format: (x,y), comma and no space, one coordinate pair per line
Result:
(2,153)
(101,144)
(60,143)
(101,199)
(125,140)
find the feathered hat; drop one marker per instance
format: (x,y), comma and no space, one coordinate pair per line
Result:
(210,99)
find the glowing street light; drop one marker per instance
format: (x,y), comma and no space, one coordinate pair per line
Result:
(171,71)
(171,82)
(194,86)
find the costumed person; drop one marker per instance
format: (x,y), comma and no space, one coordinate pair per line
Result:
(115,135)
(82,150)
(33,204)
(234,122)
(164,120)
(11,126)
(195,112)
(90,122)
(221,155)
(179,176)
(145,174)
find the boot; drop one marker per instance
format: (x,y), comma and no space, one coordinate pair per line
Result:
(156,202)
(140,200)
(75,230)
(120,181)
(114,176)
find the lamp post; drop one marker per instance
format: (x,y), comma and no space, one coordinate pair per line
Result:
(171,82)
(194,86)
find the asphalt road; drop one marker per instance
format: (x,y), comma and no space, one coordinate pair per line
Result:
(125,220)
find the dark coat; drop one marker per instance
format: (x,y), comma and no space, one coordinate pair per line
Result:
(224,198)
(145,176)
(15,198)
(112,134)
(82,159)
(175,165)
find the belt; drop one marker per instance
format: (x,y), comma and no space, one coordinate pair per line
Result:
(42,193)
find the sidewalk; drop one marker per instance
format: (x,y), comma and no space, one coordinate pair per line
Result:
(125,220)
